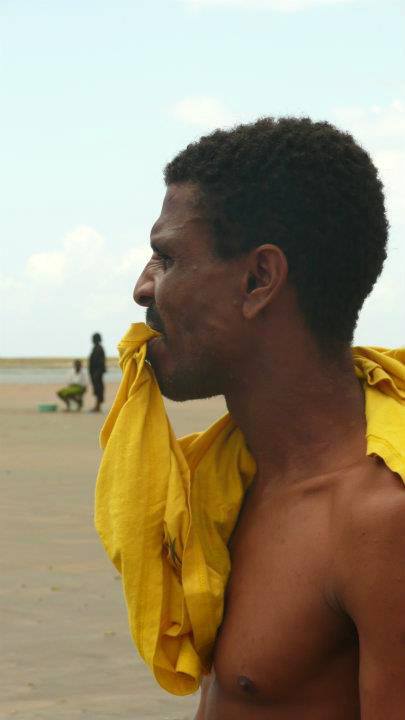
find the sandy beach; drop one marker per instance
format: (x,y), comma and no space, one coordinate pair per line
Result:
(65,646)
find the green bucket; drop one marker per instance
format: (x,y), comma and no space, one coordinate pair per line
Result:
(47,407)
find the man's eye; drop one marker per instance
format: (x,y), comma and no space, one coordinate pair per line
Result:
(165,260)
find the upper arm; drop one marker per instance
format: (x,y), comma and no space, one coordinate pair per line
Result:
(373,594)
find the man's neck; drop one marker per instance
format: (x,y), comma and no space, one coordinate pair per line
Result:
(301,416)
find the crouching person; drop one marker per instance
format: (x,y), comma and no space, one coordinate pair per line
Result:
(76,387)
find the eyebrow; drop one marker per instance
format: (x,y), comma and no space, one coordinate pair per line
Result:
(159,248)
(159,241)
(165,239)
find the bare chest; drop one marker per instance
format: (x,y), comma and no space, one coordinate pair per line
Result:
(281,635)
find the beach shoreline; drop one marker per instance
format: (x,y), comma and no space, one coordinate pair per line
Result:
(48,362)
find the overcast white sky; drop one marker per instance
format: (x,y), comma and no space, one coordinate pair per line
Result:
(97,96)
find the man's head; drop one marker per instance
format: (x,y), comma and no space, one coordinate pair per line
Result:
(96,338)
(262,222)
(77,365)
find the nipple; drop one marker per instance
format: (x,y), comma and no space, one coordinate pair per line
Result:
(246,684)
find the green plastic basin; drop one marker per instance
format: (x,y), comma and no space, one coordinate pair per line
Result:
(47,407)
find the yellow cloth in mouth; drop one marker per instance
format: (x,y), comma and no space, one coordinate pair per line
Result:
(166,508)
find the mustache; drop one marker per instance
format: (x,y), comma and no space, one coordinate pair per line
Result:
(154,320)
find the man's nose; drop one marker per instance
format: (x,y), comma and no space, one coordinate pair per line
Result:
(144,290)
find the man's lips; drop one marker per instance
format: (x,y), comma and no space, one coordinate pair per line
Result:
(153,326)
(155,350)
(153,319)
(154,340)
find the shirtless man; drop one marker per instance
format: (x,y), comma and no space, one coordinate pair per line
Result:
(269,240)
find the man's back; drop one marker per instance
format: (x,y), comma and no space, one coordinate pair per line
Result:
(288,648)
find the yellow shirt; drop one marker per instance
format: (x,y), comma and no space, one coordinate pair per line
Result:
(165,508)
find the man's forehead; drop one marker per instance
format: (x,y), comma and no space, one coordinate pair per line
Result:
(182,195)
(173,237)
(167,229)
(180,212)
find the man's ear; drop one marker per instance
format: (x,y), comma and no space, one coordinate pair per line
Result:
(265,275)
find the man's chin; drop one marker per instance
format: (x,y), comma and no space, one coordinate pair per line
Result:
(181,394)
(180,386)
(177,381)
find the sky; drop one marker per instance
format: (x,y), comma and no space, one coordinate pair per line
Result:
(97,96)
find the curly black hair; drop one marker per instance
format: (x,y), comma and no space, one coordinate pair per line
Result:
(308,188)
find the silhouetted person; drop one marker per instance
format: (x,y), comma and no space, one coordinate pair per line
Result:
(76,386)
(97,370)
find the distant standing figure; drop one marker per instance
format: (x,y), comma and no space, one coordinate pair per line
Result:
(97,370)
(76,387)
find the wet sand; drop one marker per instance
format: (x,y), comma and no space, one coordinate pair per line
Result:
(65,646)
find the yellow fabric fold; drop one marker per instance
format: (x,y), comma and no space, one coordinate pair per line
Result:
(383,374)
(165,508)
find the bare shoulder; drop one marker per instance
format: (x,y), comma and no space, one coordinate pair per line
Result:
(371,499)
(370,534)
